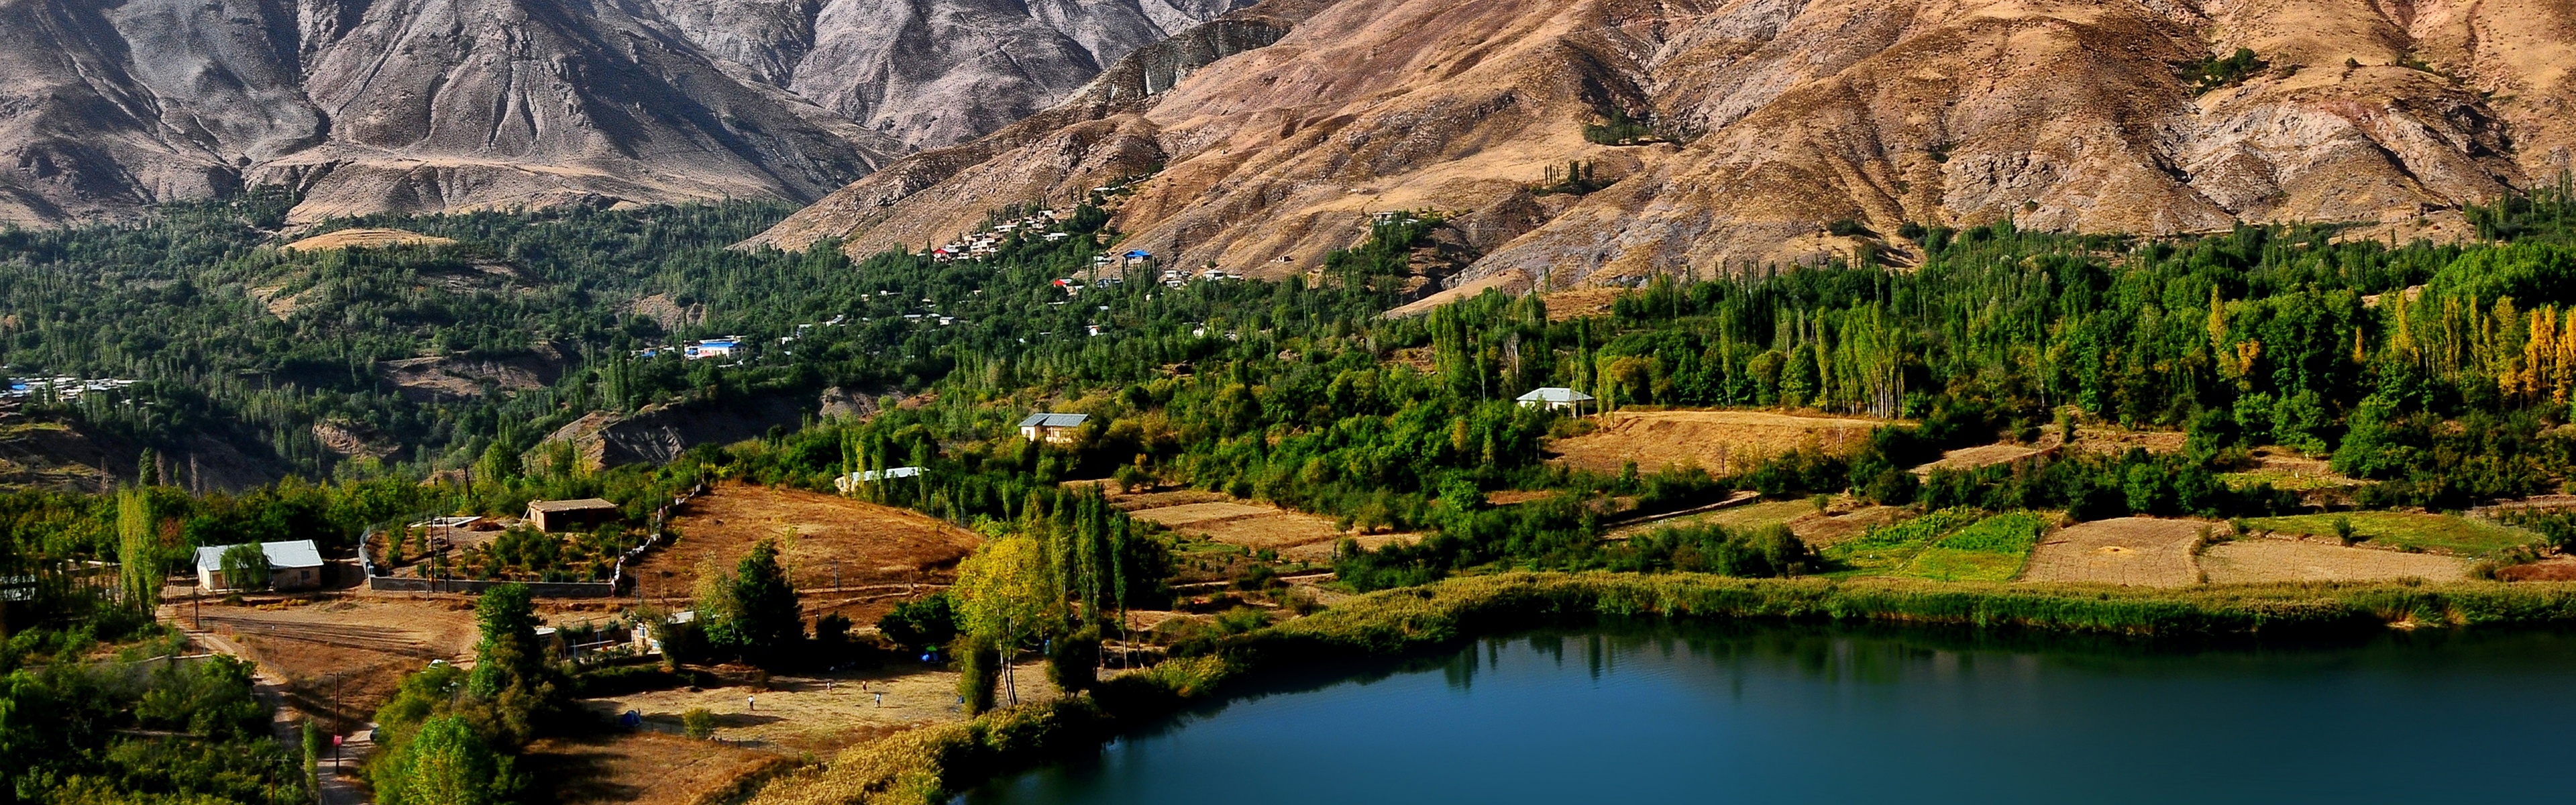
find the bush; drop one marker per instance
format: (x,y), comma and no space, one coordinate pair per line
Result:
(922,624)
(699,722)
(2344,531)
(979,672)
(1620,129)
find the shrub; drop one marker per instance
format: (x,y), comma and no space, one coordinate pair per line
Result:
(921,624)
(2344,531)
(699,722)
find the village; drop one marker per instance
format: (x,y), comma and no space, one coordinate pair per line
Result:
(332,635)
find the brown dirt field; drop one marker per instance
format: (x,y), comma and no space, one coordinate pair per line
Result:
(2130,551)
(874,546)
(2559,568)
(367,238)
(1969,458)
(1822,530)
(1581,302)
(1717,441)
(343,657)
(2092,438)
(2264,560)
(1133,501)
(1254,526)
(818,712)
(1510,497)
(647,768)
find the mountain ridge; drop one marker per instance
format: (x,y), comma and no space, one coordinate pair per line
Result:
(1779,130)
(466,104)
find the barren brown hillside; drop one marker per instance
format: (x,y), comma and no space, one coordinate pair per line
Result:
(1775,119)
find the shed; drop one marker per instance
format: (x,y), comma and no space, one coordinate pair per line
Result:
(570,515)
(292,565)
(1053,428)
(1555,398)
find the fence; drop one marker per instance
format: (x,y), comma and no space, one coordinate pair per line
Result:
(377,580)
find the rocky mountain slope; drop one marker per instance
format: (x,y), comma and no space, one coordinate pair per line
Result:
(455,104)
(1761,124)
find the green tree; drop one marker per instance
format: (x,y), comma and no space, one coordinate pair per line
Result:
(766,622)
(245,567)
(447,763)
(510,671)
(921,624)
(138,553)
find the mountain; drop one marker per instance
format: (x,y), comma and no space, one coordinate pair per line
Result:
(428,105)
(1720,132)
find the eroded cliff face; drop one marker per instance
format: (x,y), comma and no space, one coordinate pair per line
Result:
(1771,119)
(429,105)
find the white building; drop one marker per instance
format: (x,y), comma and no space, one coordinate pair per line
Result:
(1556,398)
(292,565)
(713,348)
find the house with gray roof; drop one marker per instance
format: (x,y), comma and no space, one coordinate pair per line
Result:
(1052,428)
(1556,398)
(292,565)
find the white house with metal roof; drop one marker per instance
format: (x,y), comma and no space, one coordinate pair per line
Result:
(1054,428)
(1556,398)
(292,565)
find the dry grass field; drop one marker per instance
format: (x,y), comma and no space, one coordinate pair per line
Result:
(367,239)
(1253,526)
(866,545)
(342,657)
(2272,560)
(2114,440)
(818,712)
(1987,455)
(1717,441)
(2133,551)
(641,768)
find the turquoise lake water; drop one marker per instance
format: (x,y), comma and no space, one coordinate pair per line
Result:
(1797,715)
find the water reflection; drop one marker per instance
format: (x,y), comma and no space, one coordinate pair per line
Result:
(1810,713)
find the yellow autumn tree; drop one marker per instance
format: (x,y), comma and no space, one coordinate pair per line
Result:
(1006,590)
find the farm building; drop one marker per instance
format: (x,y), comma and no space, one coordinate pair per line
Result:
(852,481)
(570,515)
(1556,398)
(1052,428)
(292,565)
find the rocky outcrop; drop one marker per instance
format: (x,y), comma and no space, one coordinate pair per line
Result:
(1765,122)
(659,433)
(462,104)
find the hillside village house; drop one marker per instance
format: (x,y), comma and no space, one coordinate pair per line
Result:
(1556,398)
(570,515)
(1052,428)
(292,565)
(713,348)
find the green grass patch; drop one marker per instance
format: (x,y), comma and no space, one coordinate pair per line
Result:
(1757,515)
(2428,532)
(1993,549)
(2285,481)
(1889,547)
(1952,564)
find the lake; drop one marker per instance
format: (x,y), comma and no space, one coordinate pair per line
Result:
(1800,714)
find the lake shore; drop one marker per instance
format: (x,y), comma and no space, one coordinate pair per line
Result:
(928,765)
